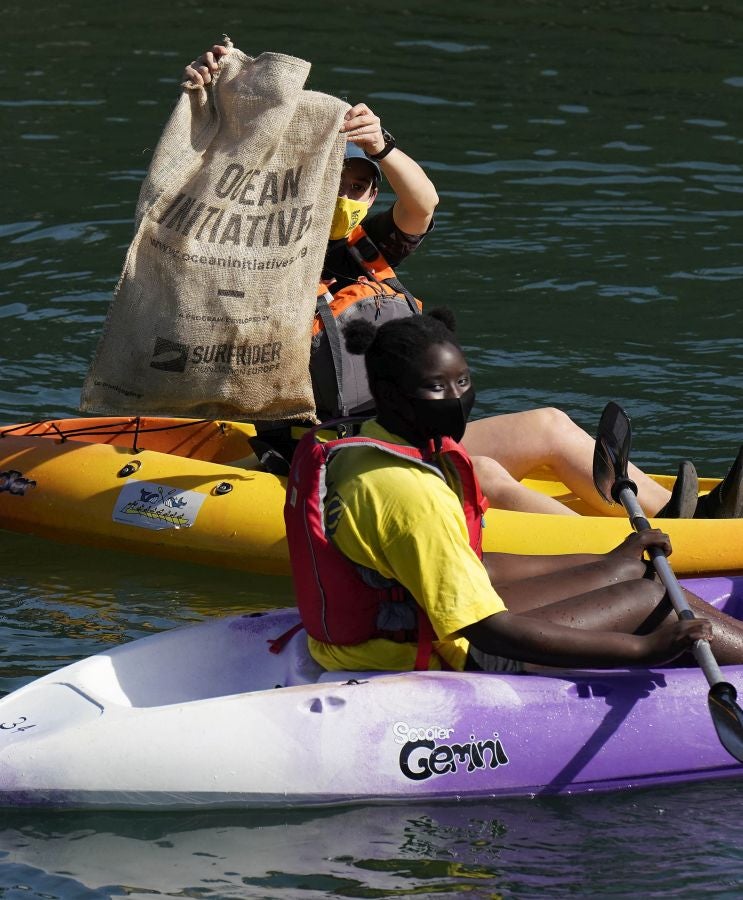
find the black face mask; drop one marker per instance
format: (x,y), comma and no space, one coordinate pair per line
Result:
(443,418)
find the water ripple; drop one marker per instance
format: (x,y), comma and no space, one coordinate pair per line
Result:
(70,231)
(445,46)
(729,273)
(49,103)
(419,99)
(16,228)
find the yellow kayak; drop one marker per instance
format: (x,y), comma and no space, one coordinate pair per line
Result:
(188,490)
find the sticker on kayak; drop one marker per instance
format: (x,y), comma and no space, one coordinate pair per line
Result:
(13,482)
(429,751)
(156,506)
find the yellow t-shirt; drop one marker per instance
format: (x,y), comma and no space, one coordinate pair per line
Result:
(405,522)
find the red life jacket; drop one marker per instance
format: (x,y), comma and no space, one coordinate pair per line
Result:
(339,378)
(340,602)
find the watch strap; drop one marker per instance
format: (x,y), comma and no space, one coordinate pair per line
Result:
(389,144)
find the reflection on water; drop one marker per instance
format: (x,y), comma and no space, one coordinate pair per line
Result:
(556,848)
(81,601)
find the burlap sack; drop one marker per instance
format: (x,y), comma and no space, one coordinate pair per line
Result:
(212,315)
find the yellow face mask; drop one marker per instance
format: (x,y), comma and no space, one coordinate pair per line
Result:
(347,215)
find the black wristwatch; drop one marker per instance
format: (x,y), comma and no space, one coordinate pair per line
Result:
(389,144)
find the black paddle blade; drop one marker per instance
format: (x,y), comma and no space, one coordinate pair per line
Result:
(727,717)
(611,454)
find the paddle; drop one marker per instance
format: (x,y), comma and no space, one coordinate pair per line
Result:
(610,459)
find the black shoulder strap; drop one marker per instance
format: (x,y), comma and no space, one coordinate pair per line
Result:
(357,257)
(333,335)
(367,249)
(399,288)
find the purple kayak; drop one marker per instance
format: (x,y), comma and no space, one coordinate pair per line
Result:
(207,716)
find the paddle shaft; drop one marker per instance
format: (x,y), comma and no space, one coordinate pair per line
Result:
(610,463)
(701,649)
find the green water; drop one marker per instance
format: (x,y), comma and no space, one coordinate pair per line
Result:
(588,159)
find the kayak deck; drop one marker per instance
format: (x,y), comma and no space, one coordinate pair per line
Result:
(204,439)
(189,490)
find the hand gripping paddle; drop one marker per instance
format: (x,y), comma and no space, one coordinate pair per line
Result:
(610,460)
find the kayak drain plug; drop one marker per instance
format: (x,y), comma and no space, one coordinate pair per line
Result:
(223,488)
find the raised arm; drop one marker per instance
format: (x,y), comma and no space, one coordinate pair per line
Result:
(416,195)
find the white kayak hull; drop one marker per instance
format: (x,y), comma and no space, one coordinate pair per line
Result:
(208,716)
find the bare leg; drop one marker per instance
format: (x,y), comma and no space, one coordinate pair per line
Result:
(630,606)
(609,596)
(727,644)
(634,607)
(523,441)
(527,594)
(504,492)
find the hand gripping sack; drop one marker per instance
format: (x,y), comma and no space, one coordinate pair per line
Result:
(212,316)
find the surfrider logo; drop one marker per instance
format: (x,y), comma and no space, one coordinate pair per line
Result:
(169,356)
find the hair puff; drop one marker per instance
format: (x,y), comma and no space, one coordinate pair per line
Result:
(359,336)
(444,315)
